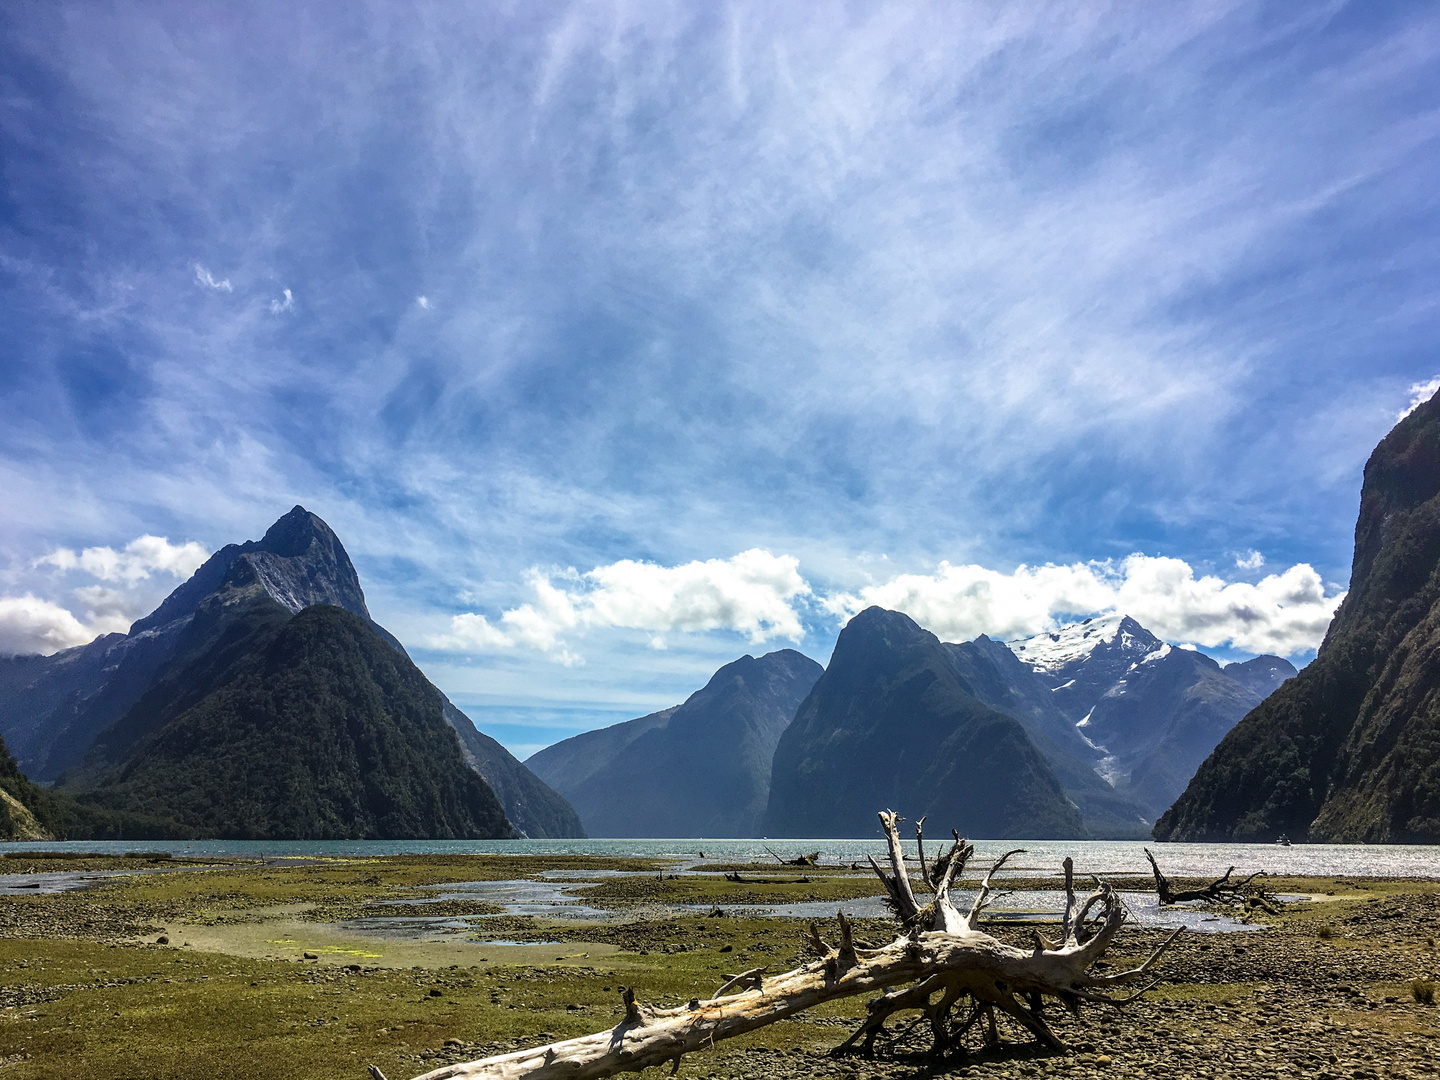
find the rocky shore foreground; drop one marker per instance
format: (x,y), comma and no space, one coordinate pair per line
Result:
(178,968)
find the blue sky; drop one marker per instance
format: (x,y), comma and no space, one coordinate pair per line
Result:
(555,312)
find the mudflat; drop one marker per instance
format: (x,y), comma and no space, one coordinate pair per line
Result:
(164,968)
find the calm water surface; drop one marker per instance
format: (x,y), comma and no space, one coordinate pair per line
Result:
(1042,856)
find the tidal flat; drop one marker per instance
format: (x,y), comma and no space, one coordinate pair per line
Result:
(317,967)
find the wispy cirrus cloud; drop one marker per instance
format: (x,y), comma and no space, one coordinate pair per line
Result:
(204,277)
(950,282)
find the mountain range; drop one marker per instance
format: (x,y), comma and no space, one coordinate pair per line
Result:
(1108,714)
(1349,750)
(1142,713)
(890,724)
(261,699)
(699,769)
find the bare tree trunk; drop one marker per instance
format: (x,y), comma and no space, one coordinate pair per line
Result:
(942,959)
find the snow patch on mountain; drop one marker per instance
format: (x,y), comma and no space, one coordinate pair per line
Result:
(1155,654)
(1054,651)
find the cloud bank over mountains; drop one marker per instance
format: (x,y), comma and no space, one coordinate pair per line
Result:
(757,594)
(753,593)
(1284,613)
(764,597)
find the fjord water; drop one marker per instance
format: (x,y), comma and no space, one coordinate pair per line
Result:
(1108,857)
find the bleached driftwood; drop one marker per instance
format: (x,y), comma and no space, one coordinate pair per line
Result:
(941,961)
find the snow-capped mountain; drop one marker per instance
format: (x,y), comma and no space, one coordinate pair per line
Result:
(1086,660)
(1053,652)
(1146,713)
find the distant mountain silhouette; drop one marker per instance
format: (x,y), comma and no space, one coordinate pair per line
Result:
(701,769)
(567,764)
(1263,675)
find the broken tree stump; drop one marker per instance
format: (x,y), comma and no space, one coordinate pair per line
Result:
(941,961)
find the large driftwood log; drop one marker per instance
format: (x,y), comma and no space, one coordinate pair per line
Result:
(1220,891)
(941,961)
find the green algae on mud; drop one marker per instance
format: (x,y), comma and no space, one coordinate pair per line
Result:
(85,989)
(698,889)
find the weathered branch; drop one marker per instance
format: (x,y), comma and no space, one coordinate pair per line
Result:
(940,960)
(982,899)
(812,859)
(920,848)
(1220,891)
(898,884)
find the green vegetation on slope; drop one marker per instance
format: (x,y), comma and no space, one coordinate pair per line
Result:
(21,803)
(1349,749)
(890,725)
(287,727)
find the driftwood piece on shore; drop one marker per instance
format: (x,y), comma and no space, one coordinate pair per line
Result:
(737,878)
(942,961)
(1220,891)
(812,859)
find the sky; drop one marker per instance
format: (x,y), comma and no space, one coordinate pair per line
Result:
(616,340)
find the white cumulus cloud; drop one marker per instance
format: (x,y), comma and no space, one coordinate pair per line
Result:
(1419,394)
(1251,560)
(204,277)
(960,602)
(31,625)
(1285,613)
(143,556)
(287,304)
(754,593)
(122,592)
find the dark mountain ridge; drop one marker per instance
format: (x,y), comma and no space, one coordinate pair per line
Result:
(992,672)
(1349,749)
(567,764)
(272,725)
(1263,675)
(57,709)
(53,708)
(890,725)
